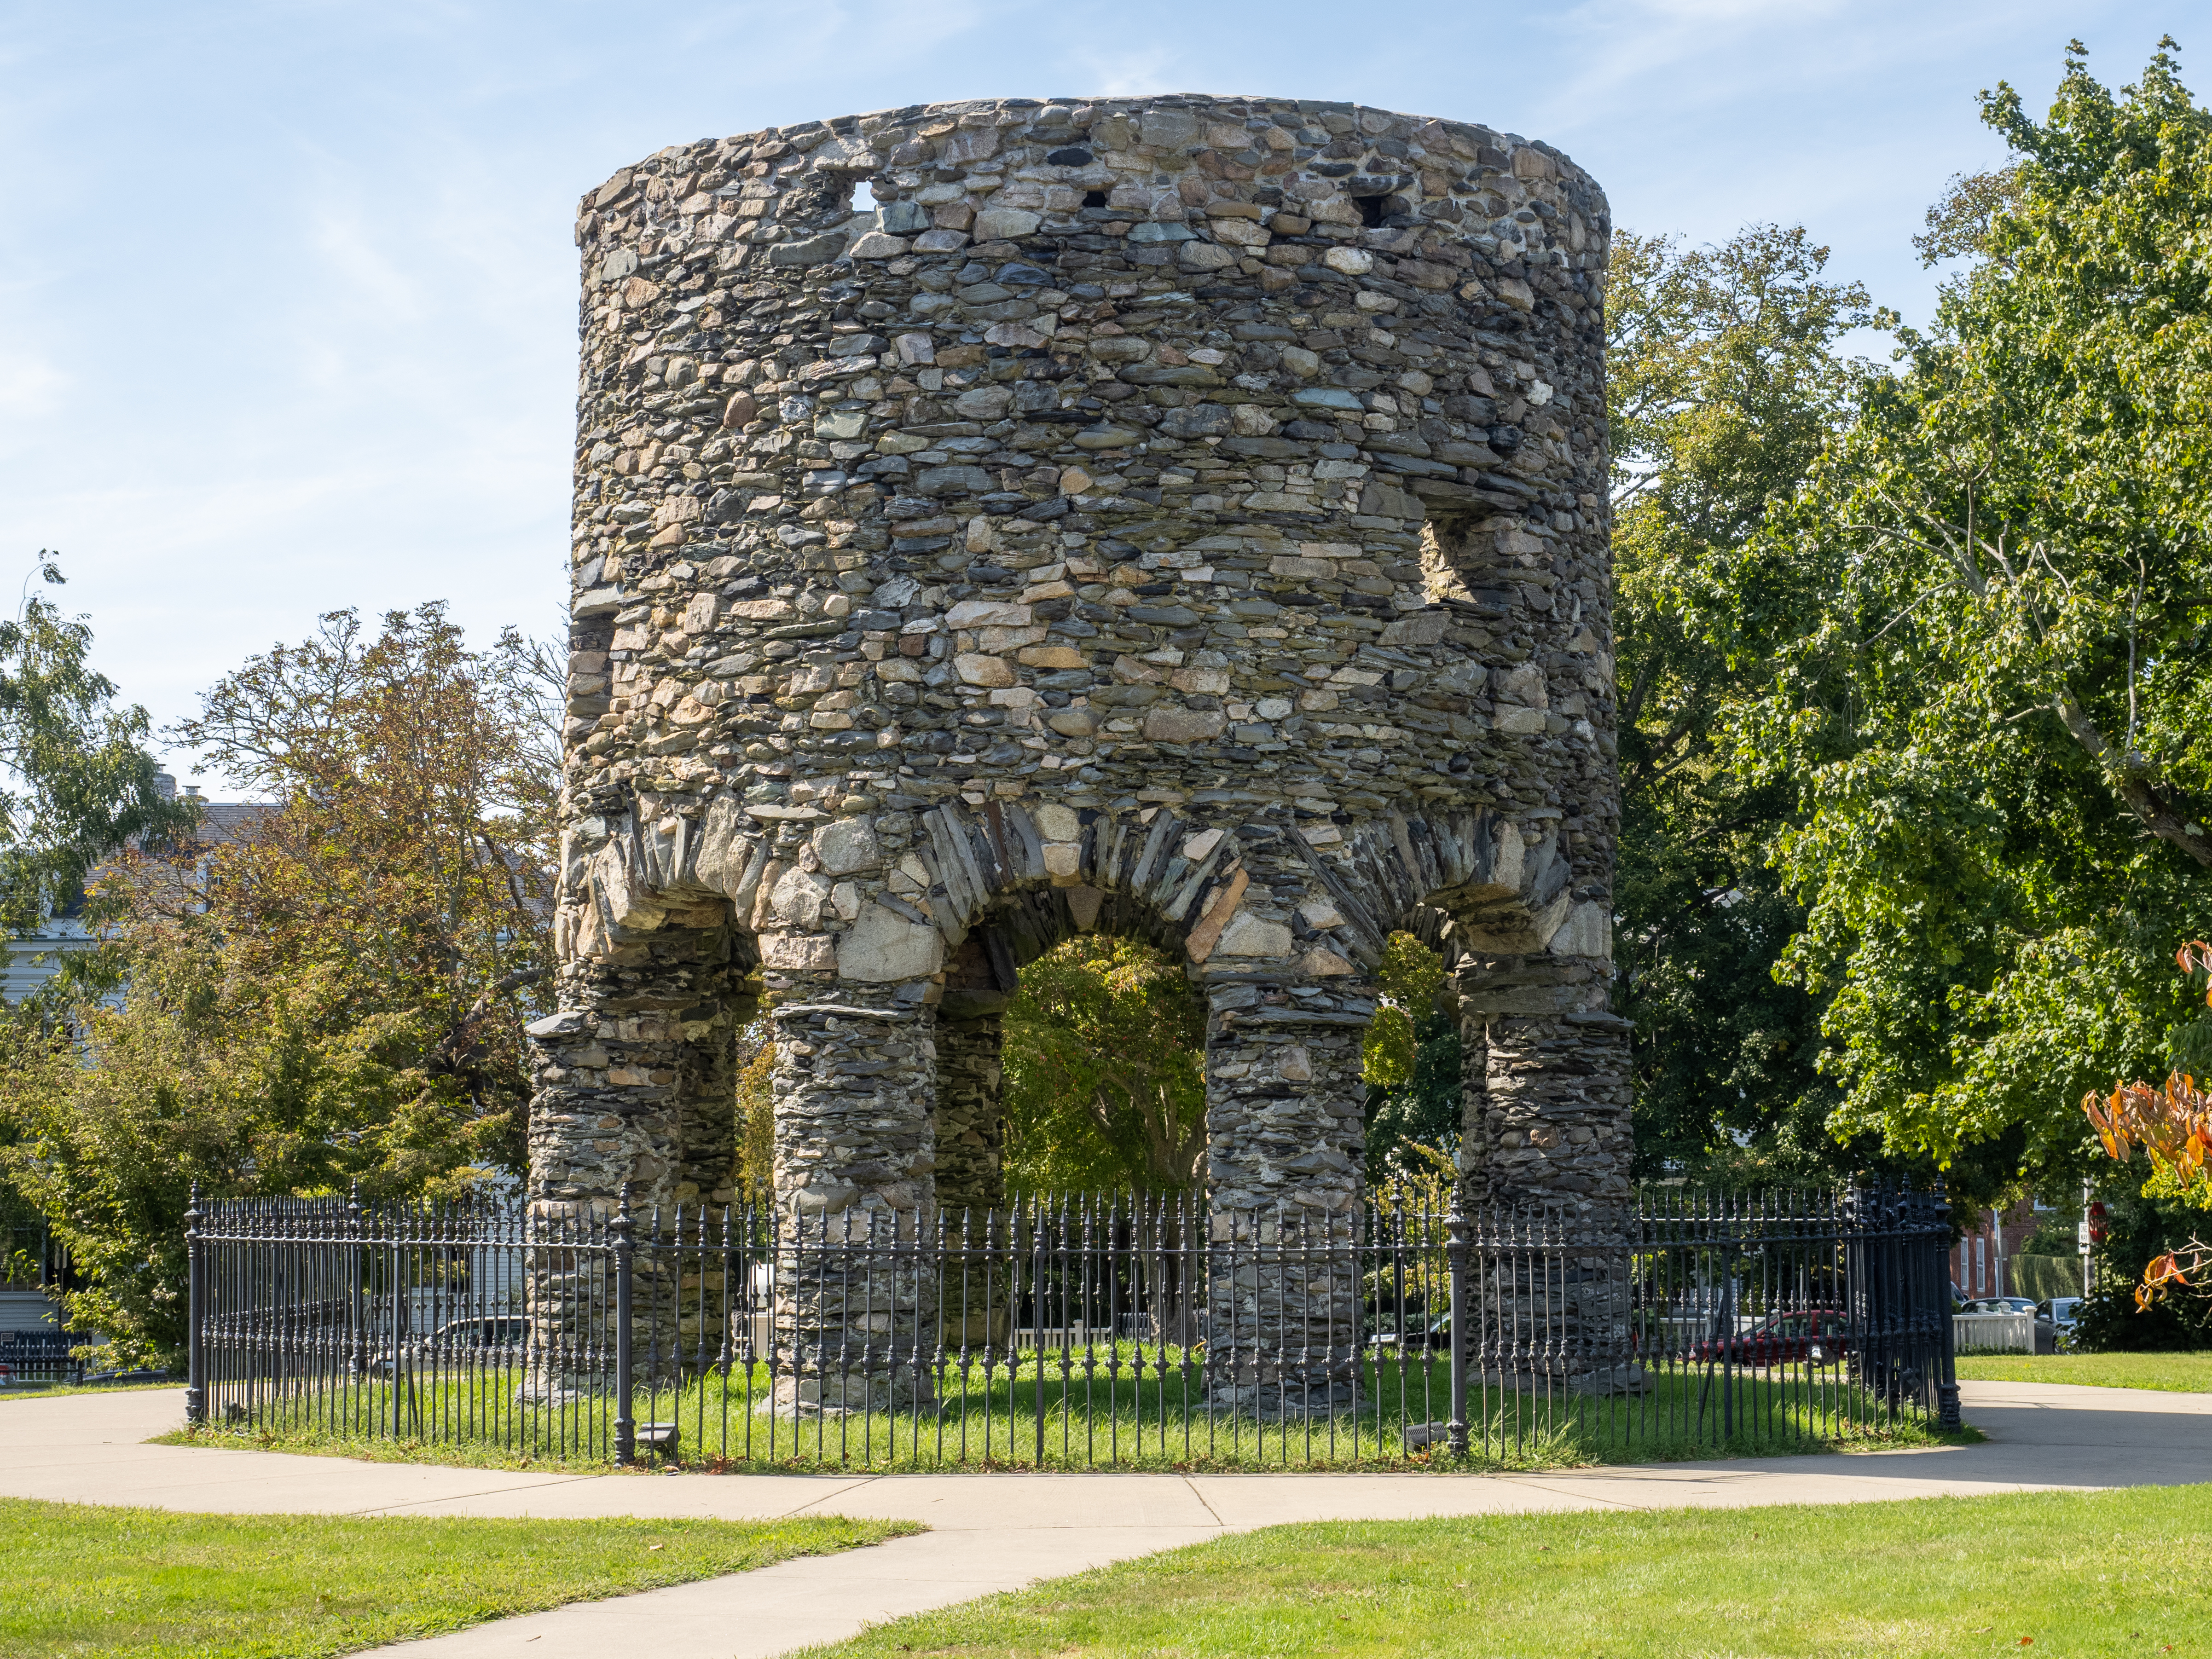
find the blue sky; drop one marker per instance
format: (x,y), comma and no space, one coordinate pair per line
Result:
(287,290)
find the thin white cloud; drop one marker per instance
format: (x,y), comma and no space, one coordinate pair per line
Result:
(31,386)
(1133,70)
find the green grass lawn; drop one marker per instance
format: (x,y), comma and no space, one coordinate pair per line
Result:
(1093,1417)
(2172,1373)
(126,1584)
(2121,1572)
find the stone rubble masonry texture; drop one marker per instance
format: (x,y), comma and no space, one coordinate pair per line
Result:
(1180,517)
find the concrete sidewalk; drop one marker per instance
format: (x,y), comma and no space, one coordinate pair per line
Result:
(1000,1532)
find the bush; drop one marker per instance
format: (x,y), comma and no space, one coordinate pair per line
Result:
(2046,1276)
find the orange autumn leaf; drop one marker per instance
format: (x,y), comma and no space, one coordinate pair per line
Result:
(2171,1121)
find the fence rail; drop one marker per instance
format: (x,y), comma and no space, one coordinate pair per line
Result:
(1103,1333)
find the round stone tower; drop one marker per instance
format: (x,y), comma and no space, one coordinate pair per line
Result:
(995,521)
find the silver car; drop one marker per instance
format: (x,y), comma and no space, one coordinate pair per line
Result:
(2062,1315)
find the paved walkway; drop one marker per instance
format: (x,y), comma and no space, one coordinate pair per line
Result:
(999,1532)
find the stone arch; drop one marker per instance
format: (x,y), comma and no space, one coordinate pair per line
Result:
(1520,908)
(668,908)
(635,1077)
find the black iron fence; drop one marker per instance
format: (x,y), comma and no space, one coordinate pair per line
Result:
(1078,1333)
(33,1269)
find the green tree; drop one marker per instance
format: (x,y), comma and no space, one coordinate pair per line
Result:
(411,855)
(1104,1060)
(1410,1062)
(1725,384)
(335,995)
(1996,721)
(213,1072)
(76,783)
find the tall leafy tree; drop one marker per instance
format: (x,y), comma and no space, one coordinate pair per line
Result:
(1104,1062)
(412,850)
(1995,721)
(334,994)
(1725,383)
(76,782)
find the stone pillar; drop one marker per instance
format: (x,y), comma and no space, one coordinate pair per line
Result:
(972,1125)
(1548,1145)
(636,1094)
(634,1081)
(1286,1112)
(1554,1090)
(855,1080)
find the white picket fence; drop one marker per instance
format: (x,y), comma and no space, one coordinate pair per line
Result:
(1987,1332)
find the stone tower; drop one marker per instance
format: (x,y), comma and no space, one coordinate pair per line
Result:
(1178,516)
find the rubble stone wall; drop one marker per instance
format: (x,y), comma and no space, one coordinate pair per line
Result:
(995,521)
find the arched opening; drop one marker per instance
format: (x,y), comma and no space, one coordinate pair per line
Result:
(1410,1061)
(1104,1071)
(1087,995)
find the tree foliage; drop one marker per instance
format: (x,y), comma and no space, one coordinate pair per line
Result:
(76,783)
(211,1073)
(1993,715)
(1410,1062)
(411,853)
(1104,1060)
(2170,1123)
(333,994)
(1724,385)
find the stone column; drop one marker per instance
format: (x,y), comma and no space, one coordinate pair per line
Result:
(1285,1146)
(636,1093)
(971,1125)
(1548,1145)
(855,1080)
(634,1081)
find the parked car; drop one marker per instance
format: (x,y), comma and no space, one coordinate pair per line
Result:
(130,1374)
(1421,1332)
(1817,1336)
(484,1342)
(2000,1304)
(2060,1317)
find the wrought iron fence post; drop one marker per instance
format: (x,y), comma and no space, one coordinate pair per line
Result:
(356,1270)
(1947,1418)
(1456,1257)
(195,1313)
(624,1229)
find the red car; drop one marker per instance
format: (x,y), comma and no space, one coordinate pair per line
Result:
(1819,1336)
